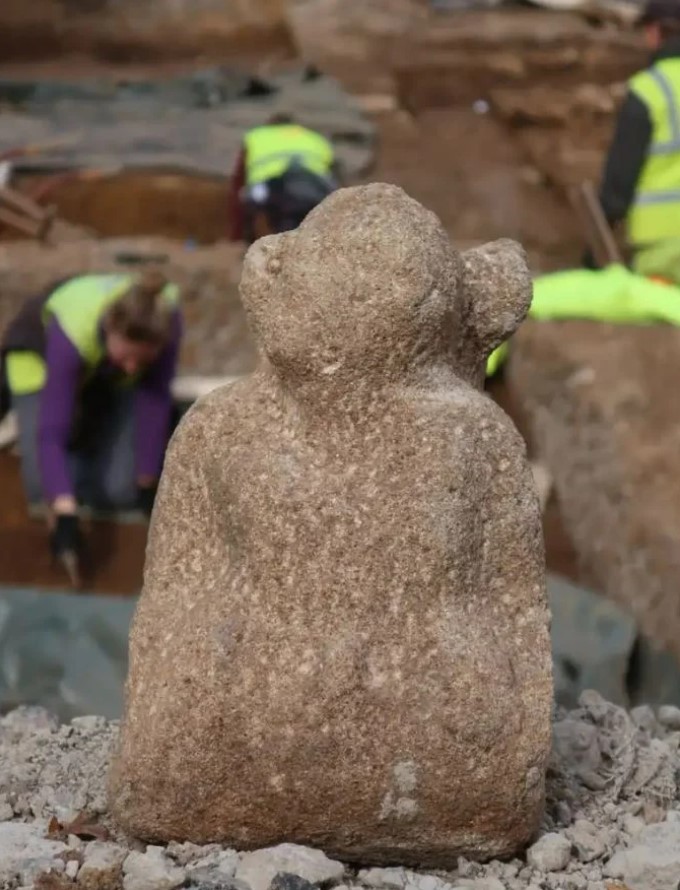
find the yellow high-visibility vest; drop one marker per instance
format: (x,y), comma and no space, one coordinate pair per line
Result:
(78,306)
(655,213)
(271,149)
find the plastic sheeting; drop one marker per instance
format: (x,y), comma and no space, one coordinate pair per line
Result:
(66,652)
(193,123)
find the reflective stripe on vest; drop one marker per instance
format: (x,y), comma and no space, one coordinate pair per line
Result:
(271,150)
(655,214)
(26,372)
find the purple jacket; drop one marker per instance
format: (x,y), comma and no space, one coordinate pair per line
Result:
(152,406)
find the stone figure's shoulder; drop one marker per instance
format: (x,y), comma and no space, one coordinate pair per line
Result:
(217,415)
(472,415)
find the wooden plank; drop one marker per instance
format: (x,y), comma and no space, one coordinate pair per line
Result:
(20,223)
(22,204)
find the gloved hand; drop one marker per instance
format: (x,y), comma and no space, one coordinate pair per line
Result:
(146,496)
(65,536)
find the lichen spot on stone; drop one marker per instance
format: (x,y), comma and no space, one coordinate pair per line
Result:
(399,802)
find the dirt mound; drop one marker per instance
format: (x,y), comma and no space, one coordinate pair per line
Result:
(605,420)
(158,30)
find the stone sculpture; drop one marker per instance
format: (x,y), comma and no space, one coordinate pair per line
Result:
(343,635)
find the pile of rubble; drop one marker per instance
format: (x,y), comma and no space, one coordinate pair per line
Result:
(612,814)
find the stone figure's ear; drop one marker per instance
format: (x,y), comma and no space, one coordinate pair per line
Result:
(498,289)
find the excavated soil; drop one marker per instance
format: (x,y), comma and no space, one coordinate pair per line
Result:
(183,207)
(611,441)
(127,32)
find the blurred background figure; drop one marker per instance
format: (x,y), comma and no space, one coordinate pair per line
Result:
(641,182)
(88,367)
(283,171)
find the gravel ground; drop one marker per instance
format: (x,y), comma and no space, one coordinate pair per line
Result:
(612,818)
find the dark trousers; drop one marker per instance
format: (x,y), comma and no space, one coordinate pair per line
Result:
(102,453)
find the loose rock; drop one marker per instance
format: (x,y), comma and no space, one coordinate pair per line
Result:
(395,878)
(669,716)
(151,869)
(259,869)
(6,809)
(51,770)
(102,866)
(653,863)
(285,881)
(187,853)
(25,852)
(551,853)
(404,879)
(587,840)
(217,867)
(483,884)
(27,720)
(643,716)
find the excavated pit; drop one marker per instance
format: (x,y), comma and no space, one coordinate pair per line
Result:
(487,118)
(492,117)
(182,207)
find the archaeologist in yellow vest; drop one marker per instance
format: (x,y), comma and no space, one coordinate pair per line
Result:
(283,171)
(641,182)
(87,367)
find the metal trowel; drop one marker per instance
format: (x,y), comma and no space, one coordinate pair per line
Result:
(69,560)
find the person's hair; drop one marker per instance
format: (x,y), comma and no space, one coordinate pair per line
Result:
(141,314)
(669,28)
(281,118)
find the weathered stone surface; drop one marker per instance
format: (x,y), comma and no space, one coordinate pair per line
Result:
(607,425)
(349,538)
